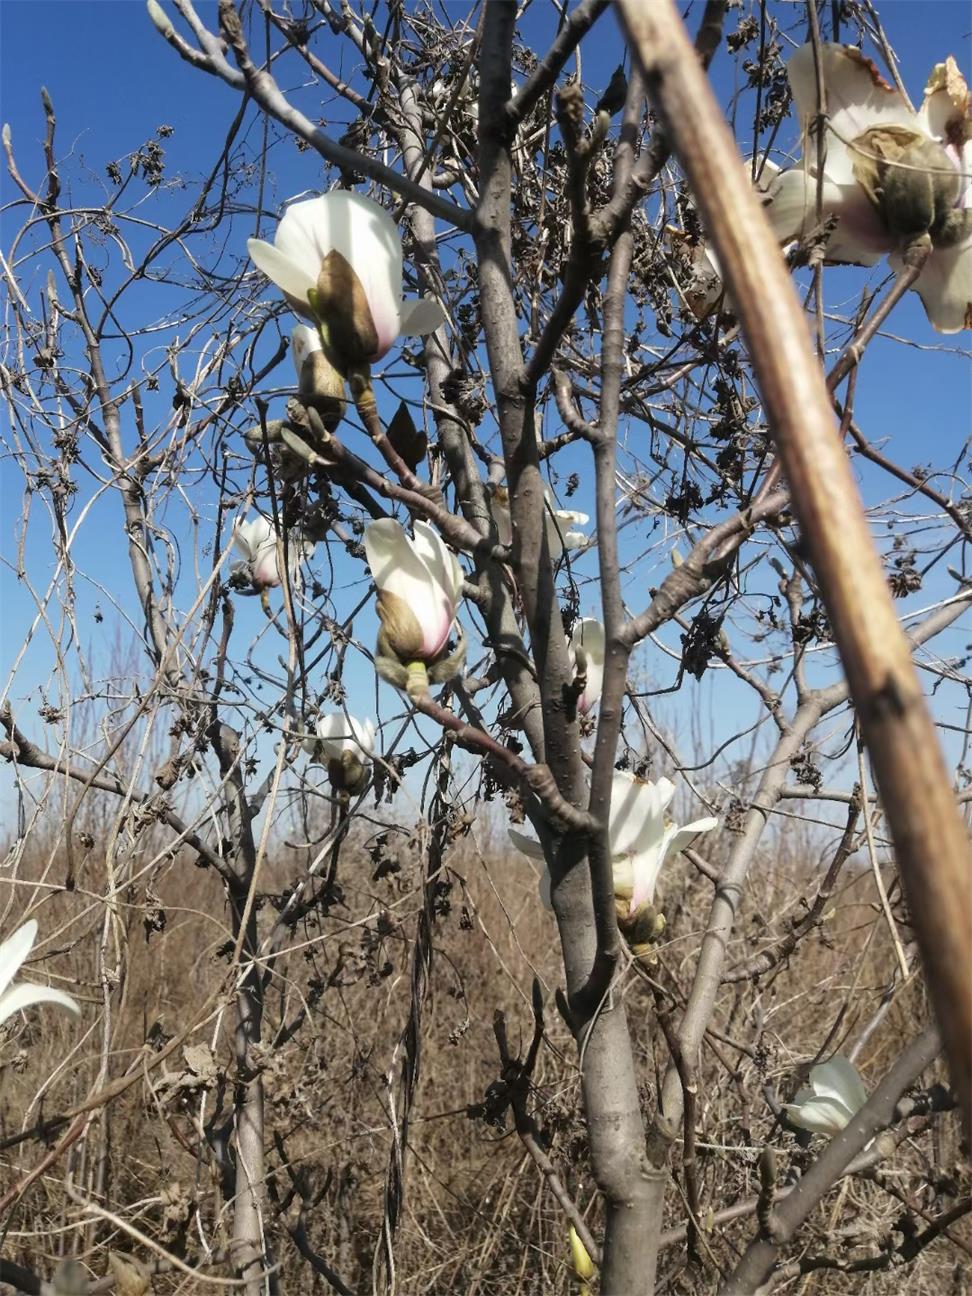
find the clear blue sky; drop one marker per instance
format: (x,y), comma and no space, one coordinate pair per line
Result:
(113,81)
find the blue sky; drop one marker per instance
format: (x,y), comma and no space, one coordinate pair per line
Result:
(114,81)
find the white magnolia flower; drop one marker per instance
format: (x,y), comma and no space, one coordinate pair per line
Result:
(890,175)
(641,839)
(339,733)
(835,1094)
(13,998)
(589,635)
(257,541)
(557,523)
(366,238)
(419,587)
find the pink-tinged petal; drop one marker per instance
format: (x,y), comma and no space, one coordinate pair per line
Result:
(945,286)
(947,105)
(647,865)
(421,316)
(791,206)
(264,570)
(440,560)
(858,97)
(290,277)
(14,950)
(589,635)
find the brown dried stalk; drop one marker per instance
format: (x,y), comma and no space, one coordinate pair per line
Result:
(931,841)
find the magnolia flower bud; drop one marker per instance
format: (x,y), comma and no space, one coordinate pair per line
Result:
(580,1257)
(400,635)
(341,304)
(318,381)
(641,929)
(345,745)
(257,541)
(908,178)
(419,586)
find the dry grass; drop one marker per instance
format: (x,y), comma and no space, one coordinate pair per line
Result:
(476,1219)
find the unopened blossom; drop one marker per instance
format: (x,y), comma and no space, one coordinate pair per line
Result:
(14,998)
(419,584)
(834,1095)
(338,733)
(894,179)
(338,261)
(558,524)
(583,1265)
(257,542)
(346,746)
(319,382)
(587,639)
(641,839)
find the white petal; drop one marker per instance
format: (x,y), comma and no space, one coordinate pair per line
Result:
(14,950)
(340,733)
(528,846)
(565,516)
(290,277)
(838,1079)
(421,316)
(304,341)
(26,995)
(819,1115)
(857,98)
(683,837)
(637,807)
(945,286)
(264,569)
(622,872)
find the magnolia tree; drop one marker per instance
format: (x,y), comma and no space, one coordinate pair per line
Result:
(504,843)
